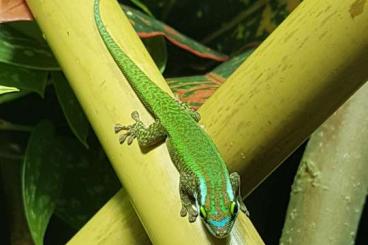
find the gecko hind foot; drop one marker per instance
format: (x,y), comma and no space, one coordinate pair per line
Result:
(186,107)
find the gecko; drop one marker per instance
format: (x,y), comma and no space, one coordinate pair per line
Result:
(205,185)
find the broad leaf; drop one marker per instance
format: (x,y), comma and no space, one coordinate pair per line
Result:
(41,178)
(195,90)
(24,51)
(23,79)
(8,97)
(143,7)
(147,26)
(90,182)
(72,110)
(229,26)
(157,48)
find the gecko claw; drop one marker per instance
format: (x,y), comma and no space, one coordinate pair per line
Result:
(192,213)
(122,138)
(118,127)
(135,116)
(130,139)
(183,211)
(192,217)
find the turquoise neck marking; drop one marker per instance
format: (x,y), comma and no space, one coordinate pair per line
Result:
(220,223)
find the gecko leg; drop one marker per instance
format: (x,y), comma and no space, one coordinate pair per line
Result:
(194,114)
(186,196)
(235,183)
(185,107)
(146,137)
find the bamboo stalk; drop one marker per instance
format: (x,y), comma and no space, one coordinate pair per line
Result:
(330,188)
(150,179)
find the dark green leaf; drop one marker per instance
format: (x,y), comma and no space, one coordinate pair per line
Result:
(24,51)
(12,96)
(143,7)
(29,29)
(9,126)
(90,182)
(23,79)
(41,178)
(148,27)
(157,48)
(72,110)
(229,26)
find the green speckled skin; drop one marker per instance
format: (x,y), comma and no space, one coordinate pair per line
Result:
(205,185)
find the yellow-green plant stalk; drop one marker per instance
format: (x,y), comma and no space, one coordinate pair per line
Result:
(331,184)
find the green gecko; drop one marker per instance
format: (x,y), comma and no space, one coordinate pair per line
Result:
(205,185)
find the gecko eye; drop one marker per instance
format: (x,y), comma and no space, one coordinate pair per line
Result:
(233,208)
(202,212)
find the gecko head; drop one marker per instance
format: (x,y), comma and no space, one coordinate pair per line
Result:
(219,223)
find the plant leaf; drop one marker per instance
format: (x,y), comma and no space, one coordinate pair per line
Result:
(14,10)
(24,51)
(90,182)
(230,26)
(23,79)
(5,89)
(147,27)
(195,90)
(12,96)
(157,48)
(73,112)
(30,29)
(143,7)
(41,178)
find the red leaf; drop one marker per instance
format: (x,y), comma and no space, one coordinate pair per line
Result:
(14,10)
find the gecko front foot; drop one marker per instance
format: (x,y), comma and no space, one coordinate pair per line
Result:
(131,130)
(146,137)
(186,196)
(235,182)
(188,209)
(187,108)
